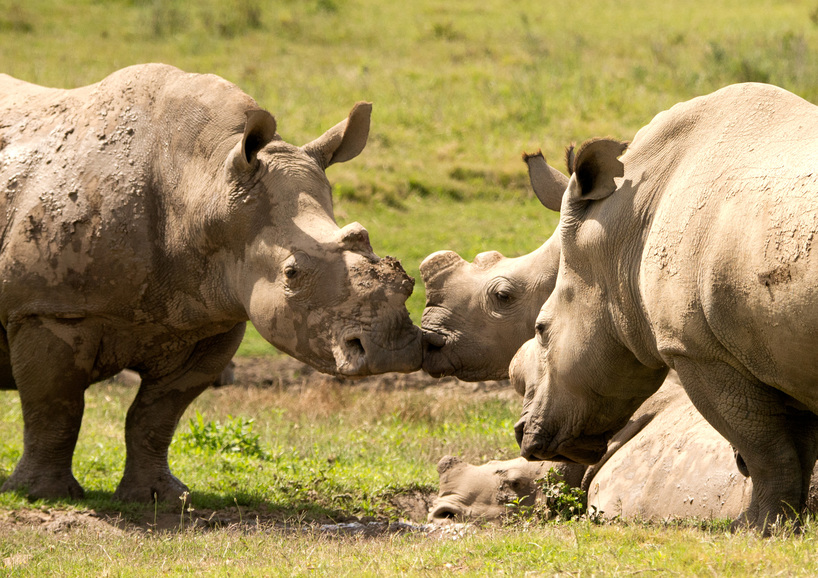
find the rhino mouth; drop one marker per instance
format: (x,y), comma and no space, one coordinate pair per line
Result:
(359,354)
(535,446)
(435,362)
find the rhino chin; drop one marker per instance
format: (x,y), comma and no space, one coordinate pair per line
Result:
(587,450)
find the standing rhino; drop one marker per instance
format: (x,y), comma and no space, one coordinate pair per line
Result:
(145,219)
(693,252)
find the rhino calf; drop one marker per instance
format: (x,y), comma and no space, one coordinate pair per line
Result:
(145,219)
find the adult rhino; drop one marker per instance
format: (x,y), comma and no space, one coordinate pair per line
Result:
(667,462)
(145,219)
(694,253)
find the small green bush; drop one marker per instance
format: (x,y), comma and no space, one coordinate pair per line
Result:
(235,437)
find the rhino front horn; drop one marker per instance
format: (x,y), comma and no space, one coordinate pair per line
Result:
(436,264)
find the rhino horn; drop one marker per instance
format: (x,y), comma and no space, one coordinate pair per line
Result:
(345,140)
(548,183)
(446,463)
(435,265)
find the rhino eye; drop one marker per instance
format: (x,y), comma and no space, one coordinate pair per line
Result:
(503,297)
(291,272)
(540,328)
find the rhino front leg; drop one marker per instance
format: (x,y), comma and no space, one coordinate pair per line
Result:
(52,361)
(752,417)
(155,413)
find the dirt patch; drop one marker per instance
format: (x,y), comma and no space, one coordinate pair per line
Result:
(284,373)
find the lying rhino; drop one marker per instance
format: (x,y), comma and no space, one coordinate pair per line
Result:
(145,219)
(666,463)
(694,253)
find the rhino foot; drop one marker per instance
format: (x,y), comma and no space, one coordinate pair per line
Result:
(40,485)
(164,488)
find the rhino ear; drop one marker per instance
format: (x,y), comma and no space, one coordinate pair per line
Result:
(345,140)
(548,183)
(595,166)
(259,130)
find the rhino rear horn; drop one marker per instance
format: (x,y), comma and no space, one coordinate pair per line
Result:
(446,463)
(345,140)
(548,183)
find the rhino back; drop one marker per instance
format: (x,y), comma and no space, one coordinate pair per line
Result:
(676,466)
(106,188)
(735,199)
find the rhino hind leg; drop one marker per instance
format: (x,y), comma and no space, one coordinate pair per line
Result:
(155,413)
(51,376)
(752,417)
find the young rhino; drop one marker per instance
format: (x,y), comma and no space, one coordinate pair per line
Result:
(146,218)
(478,314)
(483,493)
(666,463)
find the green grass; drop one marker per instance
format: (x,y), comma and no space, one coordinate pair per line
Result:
(312,454)
(460,89)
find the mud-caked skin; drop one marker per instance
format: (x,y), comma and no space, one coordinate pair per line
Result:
(145,219)
(485,492)
(693,252)
(478,314)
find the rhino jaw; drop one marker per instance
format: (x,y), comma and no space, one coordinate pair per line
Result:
(534,446)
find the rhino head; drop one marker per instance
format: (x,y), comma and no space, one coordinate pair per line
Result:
(485,492)
(312,289)
(580,382)
(478,314)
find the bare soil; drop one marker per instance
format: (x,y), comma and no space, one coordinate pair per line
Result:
(276,372)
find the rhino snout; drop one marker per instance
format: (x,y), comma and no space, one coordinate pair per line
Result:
(369,353)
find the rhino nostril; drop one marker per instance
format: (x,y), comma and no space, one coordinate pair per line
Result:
(444,514)
(354,345)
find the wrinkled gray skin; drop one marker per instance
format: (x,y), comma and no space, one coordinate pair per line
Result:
(478,314)
(145,219)
(667,462)
(694,253)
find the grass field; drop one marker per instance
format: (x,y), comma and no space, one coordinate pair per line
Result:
(460,89)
